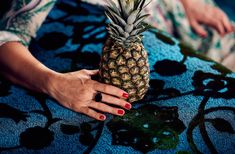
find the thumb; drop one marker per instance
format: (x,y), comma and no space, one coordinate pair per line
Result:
(92,72)
(198,28)
(86,72)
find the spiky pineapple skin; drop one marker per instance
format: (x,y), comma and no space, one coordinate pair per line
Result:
(126,68)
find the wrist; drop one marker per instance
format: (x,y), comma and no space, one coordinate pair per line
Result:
(185,2)
(51,81)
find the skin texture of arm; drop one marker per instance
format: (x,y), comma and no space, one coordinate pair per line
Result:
(18,65)
(73,90)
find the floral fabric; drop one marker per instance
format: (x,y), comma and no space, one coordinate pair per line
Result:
(189,107)
(169,16)
(24,18)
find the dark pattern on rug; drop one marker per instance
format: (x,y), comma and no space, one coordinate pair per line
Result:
(189,107)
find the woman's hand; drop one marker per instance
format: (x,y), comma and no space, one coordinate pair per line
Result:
(76,91)
(200,13)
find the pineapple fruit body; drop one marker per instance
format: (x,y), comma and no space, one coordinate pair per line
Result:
(126,68)
(124,61)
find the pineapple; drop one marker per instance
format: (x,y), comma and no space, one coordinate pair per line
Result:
(124,61)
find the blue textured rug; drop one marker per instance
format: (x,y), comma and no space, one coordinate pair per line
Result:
(189,108)
(228,6)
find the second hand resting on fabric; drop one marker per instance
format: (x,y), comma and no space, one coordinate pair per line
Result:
(200,13)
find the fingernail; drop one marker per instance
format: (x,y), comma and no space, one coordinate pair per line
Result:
(125,95)
(204,35)
(120,112)
(102,117)
(128,106)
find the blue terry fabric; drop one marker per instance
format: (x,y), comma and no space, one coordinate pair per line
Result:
(228,6)
(189,107)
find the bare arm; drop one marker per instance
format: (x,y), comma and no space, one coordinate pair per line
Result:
(73,90)
(19,66)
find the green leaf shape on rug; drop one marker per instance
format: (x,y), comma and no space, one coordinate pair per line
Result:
(147,128)
(183,152)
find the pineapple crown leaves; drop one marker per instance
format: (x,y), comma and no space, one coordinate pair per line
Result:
(126,20)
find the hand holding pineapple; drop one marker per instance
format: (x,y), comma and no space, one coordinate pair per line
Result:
(124,64)
(124,60)
(76,91)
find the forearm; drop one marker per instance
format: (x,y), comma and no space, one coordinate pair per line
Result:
(18,65)
(185,3)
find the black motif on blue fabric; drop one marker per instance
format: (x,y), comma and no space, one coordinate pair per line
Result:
(83,60)
(69,129)
(157,90)
(169,68)
(211,85)
(188,51)
(9,112)
(200,121)
(86,139)
(4,88)
(53,40)
(36,138)
(222,125)
(222,69)
(144,128)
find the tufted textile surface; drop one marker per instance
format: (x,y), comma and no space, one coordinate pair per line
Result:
(189,108)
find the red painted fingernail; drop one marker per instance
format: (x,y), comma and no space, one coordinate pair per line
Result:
(102,117)
(125,95)
(120,112)
(204,35)
(128,106)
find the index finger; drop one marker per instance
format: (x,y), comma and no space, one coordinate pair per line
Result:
(227,24)
(111,90)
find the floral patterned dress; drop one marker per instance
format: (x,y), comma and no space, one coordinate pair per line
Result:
(24,18)
(169,16)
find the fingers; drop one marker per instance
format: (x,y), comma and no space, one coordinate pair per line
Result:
(116,101)
(111,90)
(92,72)
(220,22)
(198,28)
(214,20)
(86,72)
(92,113)
(227,24)
(214,17)
(107,109)
(220,28)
